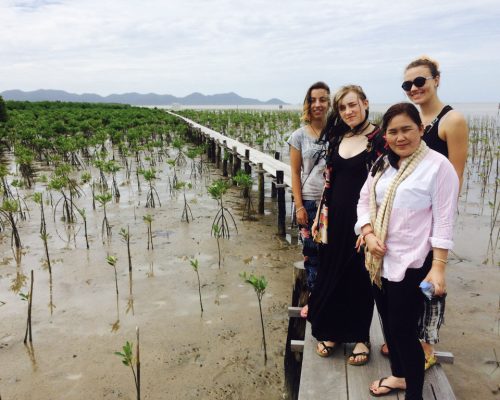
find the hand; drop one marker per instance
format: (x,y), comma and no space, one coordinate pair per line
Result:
(314,228)
(302,216)
(436,276)
(375,246)
(360,242)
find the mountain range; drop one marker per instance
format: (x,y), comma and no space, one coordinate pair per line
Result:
(149,99)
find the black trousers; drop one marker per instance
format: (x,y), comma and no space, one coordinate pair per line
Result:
(400,305)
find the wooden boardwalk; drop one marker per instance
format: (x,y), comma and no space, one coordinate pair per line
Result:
(333,379)
(269,164)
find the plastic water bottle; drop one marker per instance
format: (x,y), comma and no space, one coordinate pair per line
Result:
(427,289)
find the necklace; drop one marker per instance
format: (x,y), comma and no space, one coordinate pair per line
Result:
(359,131)
(314,131)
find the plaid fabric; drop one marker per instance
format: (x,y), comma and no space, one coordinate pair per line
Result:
(431,319)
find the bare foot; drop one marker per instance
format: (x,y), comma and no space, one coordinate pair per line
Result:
(360,354)
(384,349)
(387,385)
(325,348)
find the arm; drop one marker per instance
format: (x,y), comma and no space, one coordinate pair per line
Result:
(444,194)
(296,170)
(456,134)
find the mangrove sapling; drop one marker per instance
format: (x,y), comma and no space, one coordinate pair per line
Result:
(194,263)
(112,167)
(83,214)
(245,181)
(130,361)
(259,284)
(29,299)
(5,187)
(186,211)
(103,199)
(150,177)
(148,219)
(125,235)
(7,211)
(112,262)
(216,232)
(217,190)
(178,144)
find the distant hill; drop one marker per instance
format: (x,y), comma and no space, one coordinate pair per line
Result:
(149,99)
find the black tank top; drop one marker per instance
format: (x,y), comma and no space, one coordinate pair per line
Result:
(431,137)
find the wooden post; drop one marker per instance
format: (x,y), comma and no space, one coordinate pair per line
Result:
(280,188)
(260,172)
(212,150)
(225,159)
(209,148)
(273,185)
(218,155)
(236,163)
(248,168)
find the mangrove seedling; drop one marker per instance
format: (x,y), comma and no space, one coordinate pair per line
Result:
(125,235)
(7,211)
(112,167)
(259,285)
(186,211)
(133,362)
(216,231)
(194,263)
(103,199)
(245,181)
(29,299)
(150,177)
(148,219)
(83,214)
(217,189)
(112,262)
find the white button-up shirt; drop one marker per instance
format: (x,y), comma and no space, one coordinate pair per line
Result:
(422,214)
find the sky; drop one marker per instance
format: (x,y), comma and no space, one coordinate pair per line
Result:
(258,49)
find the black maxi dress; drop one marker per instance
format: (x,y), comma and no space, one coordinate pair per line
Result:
(341,306)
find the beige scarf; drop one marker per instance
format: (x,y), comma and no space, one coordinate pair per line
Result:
(380,218)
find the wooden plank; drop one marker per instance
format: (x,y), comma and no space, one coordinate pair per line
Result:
(436,385)
(294,312)
(269,164)
(297,346)
(444,357)
(321,378)
(359,378)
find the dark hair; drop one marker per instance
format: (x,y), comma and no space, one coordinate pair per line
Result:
(401,108)
(306,109)
(335,127)
(397,109)
(428,62)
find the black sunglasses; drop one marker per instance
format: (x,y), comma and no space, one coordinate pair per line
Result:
(419,81)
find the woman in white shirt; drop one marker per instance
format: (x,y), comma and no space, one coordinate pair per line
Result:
(405,217)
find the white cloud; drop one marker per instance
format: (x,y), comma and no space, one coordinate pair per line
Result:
(258,49)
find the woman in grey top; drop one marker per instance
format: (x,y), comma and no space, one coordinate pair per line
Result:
(307,163)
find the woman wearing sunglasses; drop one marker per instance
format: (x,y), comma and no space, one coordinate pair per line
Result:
(307,162)
(341,305)
(446,132)
(405,216)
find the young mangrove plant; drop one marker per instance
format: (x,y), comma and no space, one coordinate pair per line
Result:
(112,167)
(112,262)
(29,299)
(194,263)
(259,284)
(245,181)
(148,219)
(104,199)
(150,177)
(217,190)
(7,211)
(186,211)
(216,232)
(134,363)
(125,235)
(83,214)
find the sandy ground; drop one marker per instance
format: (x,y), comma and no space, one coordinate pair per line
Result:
(186,354)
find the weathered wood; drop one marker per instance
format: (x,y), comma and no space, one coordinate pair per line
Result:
(225,159)
(273,183)
(246,165)
(294,312)
(297,346)
(322,378)
(436,385)
(218,155)
(444,357)
(260,185)
(281,204)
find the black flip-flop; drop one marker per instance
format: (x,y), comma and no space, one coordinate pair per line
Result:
(328,349)
(391,389)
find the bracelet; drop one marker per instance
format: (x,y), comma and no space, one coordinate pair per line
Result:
(440,259)
(300,208)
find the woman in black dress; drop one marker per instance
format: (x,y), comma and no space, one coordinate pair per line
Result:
(341,306)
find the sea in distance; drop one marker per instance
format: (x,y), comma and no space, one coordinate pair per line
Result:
(489,109)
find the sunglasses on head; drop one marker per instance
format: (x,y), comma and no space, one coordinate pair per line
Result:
(419,81)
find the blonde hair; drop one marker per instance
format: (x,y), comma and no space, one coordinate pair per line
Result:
(428,62)
(342,92)
(306,109)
